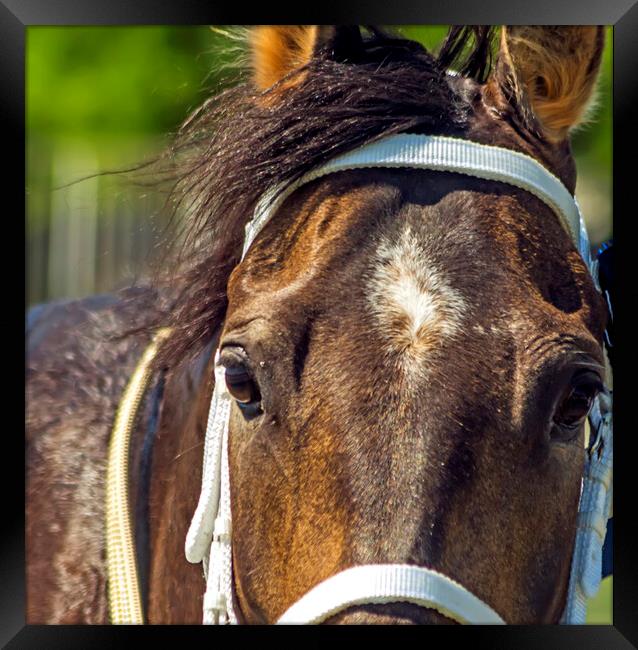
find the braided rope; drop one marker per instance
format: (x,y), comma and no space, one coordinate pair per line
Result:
(125,603)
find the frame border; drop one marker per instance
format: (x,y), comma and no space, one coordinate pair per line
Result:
(16,15)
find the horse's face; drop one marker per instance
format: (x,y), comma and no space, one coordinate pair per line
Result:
(416,353)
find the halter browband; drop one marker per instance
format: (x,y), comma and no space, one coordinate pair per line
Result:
(437,153)
(209,537)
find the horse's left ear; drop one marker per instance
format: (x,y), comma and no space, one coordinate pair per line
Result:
(548,74)
(277,50)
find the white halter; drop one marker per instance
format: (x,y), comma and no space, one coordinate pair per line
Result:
(209,537)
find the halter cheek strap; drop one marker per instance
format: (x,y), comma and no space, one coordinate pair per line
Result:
(209,537)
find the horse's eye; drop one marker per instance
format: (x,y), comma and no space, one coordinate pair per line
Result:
(243,388)
(577,401)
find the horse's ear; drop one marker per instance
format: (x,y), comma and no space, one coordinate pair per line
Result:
(549,74)
(277,50)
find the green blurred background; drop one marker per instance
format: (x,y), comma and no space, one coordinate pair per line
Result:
(104,98)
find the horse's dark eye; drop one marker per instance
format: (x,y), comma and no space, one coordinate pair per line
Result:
(241,385)
(576,402)
(243,389)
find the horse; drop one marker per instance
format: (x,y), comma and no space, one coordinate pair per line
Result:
(410,355)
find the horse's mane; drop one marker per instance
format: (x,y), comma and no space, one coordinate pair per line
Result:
(242,142)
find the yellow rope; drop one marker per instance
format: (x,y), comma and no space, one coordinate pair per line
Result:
(125,603)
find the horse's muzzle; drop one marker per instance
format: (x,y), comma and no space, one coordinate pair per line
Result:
(389,614)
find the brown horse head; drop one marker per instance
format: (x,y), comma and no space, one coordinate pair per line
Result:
(413,353)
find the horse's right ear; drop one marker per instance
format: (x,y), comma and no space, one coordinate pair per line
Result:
(277,50)
(548,75)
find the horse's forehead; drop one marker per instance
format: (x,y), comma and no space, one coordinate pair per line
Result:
(411,298)
(417,255)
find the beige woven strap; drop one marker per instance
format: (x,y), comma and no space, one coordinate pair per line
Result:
(125,603)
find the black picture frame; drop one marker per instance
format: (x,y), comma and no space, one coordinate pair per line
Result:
(17,15)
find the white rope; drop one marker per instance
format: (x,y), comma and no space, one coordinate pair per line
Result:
(200,532)
(209,537)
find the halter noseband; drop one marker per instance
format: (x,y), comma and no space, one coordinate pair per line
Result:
(209,537)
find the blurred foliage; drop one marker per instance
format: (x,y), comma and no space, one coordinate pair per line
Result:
(96,80)
(600,607)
